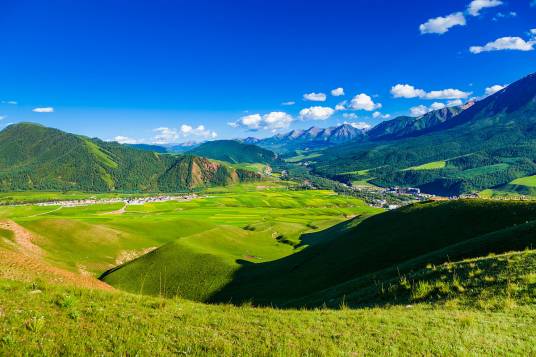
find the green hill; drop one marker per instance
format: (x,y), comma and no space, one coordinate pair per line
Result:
(234,152)
(425,233)
(33,157)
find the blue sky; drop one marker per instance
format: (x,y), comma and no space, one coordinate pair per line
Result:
(172,71)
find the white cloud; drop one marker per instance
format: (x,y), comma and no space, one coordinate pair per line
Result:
(447,94)
(505,43)
(12,102)
(269,121)
(440,25)
(494,89)
(349,116)
(165,135)
(359,125)
(409,91)
(419,110)
(364,102)
(377,115)
(532,32)
(125,140)
(437,106)
(476,5)
(341,106)
(454,103)
(315,97)
(43,110)
(288,103)
(406,91)
(337,92)
(316,113)
(2,117)
(277,120)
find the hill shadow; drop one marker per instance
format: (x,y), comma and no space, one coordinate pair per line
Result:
(378,250)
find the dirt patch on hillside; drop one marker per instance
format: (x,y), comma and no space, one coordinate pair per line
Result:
(24,262)
(24,240)
(128,255)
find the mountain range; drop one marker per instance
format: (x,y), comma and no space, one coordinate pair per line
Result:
(486,145)
(34,157)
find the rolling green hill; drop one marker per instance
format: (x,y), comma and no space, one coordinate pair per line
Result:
(496,130)
(33,157)
(234,152)
(436,231)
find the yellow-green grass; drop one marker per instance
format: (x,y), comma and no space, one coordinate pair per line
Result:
(529,181)
(428,166)
(303,157)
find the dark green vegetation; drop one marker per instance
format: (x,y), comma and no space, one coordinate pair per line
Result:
(488,144)
(33,157)
(384,245)
(234,152)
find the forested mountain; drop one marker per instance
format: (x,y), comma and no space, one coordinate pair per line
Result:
(34,157)
(488,144)
(234,152)
(409,126)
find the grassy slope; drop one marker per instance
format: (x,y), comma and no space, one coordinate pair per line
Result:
(373,246)
(429,166)
(254,228)
(447,316)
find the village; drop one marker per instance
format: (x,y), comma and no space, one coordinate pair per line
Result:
(125,200)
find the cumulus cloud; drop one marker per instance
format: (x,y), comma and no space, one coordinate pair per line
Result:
(43,110)
(476,5)
(277,120)
(409,91)
(447,94)
(125,140)
(364,102)
(270,121)
(441,25)
(165,135)
(359,125)
(379,115)
(505,43)
(419,110)
(315,97)
(288,103)
(337,92)
(454,103)
(316,113)
(494,89)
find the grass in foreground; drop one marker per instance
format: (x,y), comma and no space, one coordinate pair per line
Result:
(47,320)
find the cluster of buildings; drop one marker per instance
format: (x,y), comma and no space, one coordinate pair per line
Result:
(128,200)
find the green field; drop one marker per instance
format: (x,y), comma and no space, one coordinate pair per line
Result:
(429,166)
(529,181)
